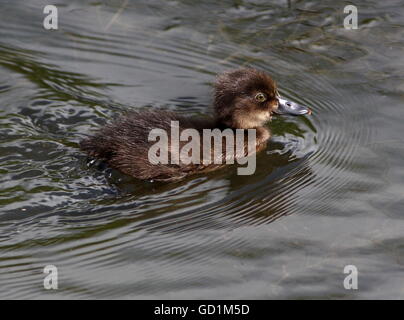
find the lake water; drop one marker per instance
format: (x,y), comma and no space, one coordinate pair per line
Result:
(328,192)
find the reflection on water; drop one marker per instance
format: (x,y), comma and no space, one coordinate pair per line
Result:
(327,191)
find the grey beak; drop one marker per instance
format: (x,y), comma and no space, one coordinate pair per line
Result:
(289,107)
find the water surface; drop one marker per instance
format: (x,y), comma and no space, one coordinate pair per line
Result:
(328,191)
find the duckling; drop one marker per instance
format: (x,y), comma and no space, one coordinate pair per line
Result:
(244,98)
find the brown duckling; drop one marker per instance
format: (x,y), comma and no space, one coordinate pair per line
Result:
(243,99)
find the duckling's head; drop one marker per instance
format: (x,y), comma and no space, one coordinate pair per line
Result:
(246,98)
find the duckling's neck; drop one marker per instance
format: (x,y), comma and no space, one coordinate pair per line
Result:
(263,134)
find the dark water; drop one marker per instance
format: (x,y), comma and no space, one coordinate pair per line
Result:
(328,192)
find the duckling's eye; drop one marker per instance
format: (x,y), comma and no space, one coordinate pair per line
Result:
(260,97)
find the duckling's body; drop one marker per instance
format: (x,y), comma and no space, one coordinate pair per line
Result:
(244,99)
(124,144)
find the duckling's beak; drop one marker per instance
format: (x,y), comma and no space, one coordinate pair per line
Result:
(289,107)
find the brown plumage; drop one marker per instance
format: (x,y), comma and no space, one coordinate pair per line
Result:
(243,99)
